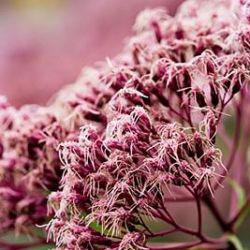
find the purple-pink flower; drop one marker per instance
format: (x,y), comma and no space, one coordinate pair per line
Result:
(133,135)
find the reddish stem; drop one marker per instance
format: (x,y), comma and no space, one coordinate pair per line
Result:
(10,246)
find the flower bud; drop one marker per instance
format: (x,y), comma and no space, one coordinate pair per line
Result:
(237,80)
(1,150)
(214,93)
(200,98)
(198,144)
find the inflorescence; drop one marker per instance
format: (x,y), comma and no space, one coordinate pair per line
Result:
(131,135)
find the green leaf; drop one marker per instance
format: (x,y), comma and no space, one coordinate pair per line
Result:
(239,190)
(243,217)
(233,239)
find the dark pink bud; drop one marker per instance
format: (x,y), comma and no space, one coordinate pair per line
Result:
(157,31)
(200,98)
(186,80)
(1,150)
(214,95)
(198,144)
(210,67)
(237,81)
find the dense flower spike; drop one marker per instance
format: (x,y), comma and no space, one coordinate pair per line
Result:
(130,135)
(163,102)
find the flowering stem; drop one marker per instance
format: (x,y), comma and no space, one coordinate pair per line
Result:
(236,138)
(20,246)
(198,202)
(170,220)
(181,199)
(216,213)
(164,233)
(176,246)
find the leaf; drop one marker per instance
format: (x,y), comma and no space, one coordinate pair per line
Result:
(233,239)
(242,217)
(239,190)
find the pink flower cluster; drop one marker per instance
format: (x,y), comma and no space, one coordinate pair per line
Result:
(148,122)
(29,164)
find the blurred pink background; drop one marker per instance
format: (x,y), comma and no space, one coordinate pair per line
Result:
(44,44)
